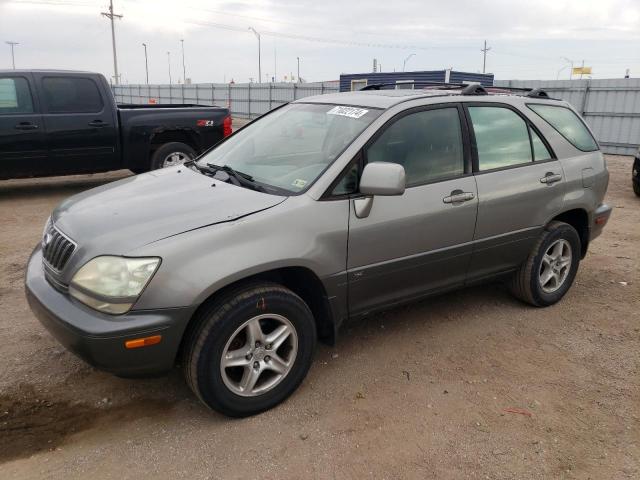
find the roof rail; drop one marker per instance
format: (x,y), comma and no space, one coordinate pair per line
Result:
(474,89)
(467,88)
(538,93)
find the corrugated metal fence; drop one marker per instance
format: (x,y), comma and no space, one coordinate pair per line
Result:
(247,100)
(610,107)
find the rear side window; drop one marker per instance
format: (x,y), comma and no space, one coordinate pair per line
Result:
(71,95)
(568,124)
(502,137)
(15,96)
(428,144)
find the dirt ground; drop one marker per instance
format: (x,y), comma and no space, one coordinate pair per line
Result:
(471,384)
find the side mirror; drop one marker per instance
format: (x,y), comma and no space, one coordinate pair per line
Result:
(382,178)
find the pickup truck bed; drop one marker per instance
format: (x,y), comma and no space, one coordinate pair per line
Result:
(63,122)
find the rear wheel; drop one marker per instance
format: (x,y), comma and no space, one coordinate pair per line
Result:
(548,273)
(172,154)
(250,350)
(636,188)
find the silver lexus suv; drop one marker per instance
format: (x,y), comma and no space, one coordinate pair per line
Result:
(324,210)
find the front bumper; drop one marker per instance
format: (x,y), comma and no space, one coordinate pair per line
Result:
(99,338)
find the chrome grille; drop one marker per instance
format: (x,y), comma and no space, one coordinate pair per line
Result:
(57,248)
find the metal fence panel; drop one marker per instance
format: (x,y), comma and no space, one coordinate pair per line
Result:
(248,100)
(611,107)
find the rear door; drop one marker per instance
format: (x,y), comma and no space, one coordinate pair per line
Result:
(23,150)
(520,187)
(80,128)
(418,242)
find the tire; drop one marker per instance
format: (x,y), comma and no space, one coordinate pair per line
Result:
(527,282)
(219,330)
(636,188)
(160,157)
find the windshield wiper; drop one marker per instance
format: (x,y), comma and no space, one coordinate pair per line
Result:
(241,179)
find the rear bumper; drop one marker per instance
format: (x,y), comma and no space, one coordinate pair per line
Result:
(98,338)
(600,219)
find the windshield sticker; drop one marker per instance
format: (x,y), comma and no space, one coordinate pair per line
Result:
(351,112)
(299,183)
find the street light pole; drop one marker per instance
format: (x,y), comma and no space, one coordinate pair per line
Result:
(169,64)
(298,69)
(404,64)
(110,15)
(259,49)
(184,69)
(13,58)
(569,61)
(146,62)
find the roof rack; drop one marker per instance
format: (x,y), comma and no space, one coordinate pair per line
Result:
(466,88)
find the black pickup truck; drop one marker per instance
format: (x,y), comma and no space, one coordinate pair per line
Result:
(64,122)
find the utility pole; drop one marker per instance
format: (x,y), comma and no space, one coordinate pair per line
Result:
(298,69)
(146,62)
(259,62)
(404,64)
(110,15)
(13,58)
(184,69)
(484,56)
(169,63)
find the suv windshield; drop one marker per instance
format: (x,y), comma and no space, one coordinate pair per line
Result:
(289,148)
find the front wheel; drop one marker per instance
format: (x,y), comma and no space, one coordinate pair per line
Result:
(548,273)
(251,349)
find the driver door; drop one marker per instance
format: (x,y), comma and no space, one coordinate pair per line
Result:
(419,242)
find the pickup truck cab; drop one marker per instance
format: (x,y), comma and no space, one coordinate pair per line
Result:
(321,211)
(61,122)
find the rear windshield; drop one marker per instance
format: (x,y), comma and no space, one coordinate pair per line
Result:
(568,124)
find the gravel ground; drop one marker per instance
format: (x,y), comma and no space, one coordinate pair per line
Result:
(472,384)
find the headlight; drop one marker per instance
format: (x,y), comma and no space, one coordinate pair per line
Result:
(112,284)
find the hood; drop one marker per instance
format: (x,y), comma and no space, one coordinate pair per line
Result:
(127,214)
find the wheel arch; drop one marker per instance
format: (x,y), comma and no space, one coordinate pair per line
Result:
(187,136)
(578,218)
(300,280)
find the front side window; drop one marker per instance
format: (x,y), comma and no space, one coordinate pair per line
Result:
(428,144)
(568,124)
(15,95)
(289,148)
(71,95)
(502,137)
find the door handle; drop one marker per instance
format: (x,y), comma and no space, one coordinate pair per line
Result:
(26,126)
(98,123)
(458,196)
(550,178)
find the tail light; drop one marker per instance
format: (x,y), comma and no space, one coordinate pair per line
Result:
(226,127)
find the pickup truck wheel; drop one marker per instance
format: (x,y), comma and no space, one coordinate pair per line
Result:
(172,154)
(636,188)
(250,350)
(549,271)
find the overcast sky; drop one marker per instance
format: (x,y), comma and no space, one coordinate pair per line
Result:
(527,38)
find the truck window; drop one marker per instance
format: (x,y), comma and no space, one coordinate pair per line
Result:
(71,95)
(15,95)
